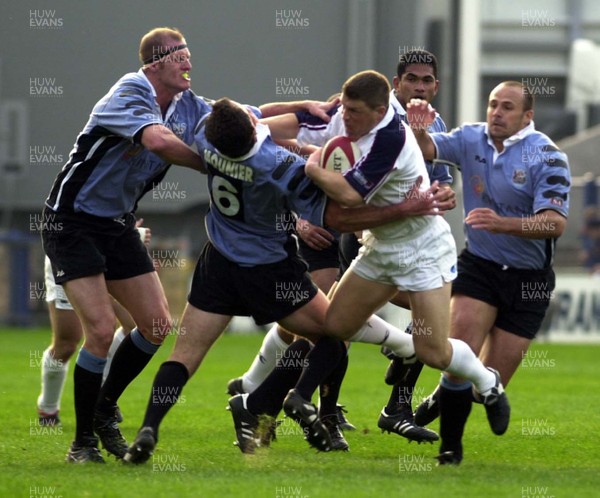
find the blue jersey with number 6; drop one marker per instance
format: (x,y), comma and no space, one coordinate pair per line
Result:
(254,199)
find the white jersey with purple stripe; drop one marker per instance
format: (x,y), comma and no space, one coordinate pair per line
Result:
(312,131)
(530,175)
(390,164)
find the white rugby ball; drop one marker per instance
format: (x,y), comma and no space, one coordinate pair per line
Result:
(339,154)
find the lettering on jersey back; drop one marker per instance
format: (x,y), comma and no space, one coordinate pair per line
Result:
(229,168)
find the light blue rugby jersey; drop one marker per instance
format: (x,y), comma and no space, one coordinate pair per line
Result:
(530,175)
(108,169)
(253,197)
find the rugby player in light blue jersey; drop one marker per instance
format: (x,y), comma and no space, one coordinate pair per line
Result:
(142,125)
(516,197)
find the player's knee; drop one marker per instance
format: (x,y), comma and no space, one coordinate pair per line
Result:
(463,326)
(63,350)
(99,344)
(155,329)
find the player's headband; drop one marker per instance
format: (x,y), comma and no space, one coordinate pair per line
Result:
(155,57)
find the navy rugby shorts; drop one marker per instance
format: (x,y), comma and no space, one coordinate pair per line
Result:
(521,296)
(267,292)
(81,245)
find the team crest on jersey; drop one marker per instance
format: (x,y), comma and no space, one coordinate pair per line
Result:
(557,201)
(519,176)
(477,184)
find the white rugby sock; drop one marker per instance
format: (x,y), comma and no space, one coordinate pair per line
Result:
(271,348)
(117,340)
(54,374)
(377,331)
(466,365)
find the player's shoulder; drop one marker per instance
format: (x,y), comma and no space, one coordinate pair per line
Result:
(134,80)
(393,131)
(130,88)
(270,154)
(205,102)
(542,150)
(472,132)
(388,139)
(131,85)
(476,127)
(541,139)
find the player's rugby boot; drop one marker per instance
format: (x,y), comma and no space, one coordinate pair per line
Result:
(48,419)
(449,458)
(338,441)
(107,429)
(245,424)
(235,386)
(142,447)
(428,410)
(343,423)
(84,451)
(496,405)
(402,423)
(306,414)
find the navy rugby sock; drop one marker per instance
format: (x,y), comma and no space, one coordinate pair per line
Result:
(166,390)
(402,392)
(320,362)
(87,377)
(329,390)
(455,406)
(131,357)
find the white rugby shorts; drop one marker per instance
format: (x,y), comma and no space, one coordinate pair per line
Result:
(54,292)
(424,262)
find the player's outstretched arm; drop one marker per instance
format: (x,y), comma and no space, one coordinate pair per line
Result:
(166,145)
(433,201)
(282,121)
(314,107)
(420,116)
(284,127)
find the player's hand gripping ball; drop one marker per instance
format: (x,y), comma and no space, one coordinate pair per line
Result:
(339,154)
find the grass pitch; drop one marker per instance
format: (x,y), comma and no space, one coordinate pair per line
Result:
(552,447)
